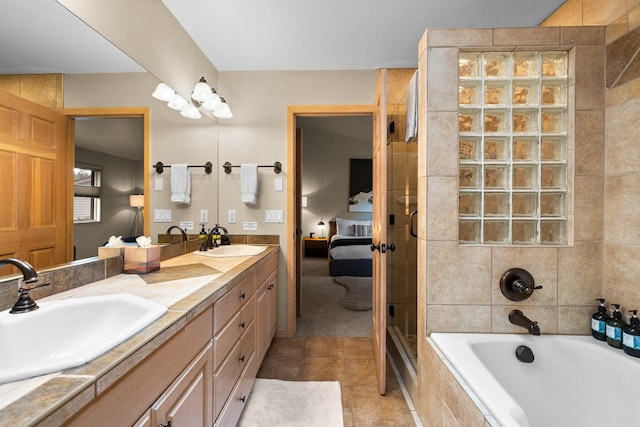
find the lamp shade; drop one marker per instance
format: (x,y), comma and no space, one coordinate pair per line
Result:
(224,112)
(190,111)
(201,91)
(163,93)
(136,200)
(177,102)
(213,103)
(321,224)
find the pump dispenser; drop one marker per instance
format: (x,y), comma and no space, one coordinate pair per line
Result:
(614,328)
(203,233)
(599,322)
(631,335)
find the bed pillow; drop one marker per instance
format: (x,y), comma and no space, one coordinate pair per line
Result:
(345,227)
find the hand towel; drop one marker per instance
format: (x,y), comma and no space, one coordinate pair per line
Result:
(249,183)
(412,109)
(180,184)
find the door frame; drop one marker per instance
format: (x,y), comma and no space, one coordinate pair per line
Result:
(112,112)
(293,245)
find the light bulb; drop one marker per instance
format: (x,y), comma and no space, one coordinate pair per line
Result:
(163,92)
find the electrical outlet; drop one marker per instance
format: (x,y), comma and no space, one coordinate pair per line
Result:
(157,184)
(250,226)
(231,214)
(204,216)
(162,215)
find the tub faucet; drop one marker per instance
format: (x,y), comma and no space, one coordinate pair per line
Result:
(25,303)
(184,233)
(519,319)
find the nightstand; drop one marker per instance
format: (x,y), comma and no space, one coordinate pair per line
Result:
(316,246)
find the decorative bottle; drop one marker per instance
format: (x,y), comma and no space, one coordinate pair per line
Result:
(614,328)
(599,322)
(631,335)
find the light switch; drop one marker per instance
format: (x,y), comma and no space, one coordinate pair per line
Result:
(204,216)
(231,214)
(279,185)
(273,216)
(162,215)
(157,184)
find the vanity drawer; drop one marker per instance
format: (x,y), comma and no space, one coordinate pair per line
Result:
(226,377)
(230,333)
(238,398)
(228,305)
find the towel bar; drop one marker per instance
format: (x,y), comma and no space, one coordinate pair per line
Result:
(208,167)
(277,167)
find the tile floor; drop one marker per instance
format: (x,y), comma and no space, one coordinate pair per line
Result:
(349,361)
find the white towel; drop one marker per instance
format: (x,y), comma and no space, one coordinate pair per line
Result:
(249,183)
(412,108)
(180,184)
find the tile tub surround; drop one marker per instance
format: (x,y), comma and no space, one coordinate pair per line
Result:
(458,287)
(51,399)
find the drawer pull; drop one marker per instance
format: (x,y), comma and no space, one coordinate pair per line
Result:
(242,295)
(242,325)
(242,399)
(241,358)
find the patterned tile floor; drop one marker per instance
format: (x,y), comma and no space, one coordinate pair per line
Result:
(349,361)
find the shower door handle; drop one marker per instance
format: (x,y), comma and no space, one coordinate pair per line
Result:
(411,229)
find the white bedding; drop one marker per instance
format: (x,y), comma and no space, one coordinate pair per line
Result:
(351,251)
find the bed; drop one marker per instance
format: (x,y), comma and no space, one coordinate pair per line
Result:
(349,248)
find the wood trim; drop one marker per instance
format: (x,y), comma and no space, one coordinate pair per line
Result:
(294,111)
(115,112)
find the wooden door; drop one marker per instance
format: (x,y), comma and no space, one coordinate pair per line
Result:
(379,278)
(36,224)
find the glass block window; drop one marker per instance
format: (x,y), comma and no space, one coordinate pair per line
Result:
(512,148)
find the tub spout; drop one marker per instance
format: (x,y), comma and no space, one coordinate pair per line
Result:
(519,319)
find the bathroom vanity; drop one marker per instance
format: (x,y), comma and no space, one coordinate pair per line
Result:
(193,366)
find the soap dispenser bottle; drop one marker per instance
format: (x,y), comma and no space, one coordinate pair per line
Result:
(614,328)
(203,233)
(599,322)
(631,335)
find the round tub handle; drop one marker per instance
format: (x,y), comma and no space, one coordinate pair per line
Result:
(517,284)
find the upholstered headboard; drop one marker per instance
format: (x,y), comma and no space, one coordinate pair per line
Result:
(333,229)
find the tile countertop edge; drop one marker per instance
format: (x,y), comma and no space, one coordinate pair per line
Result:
(78,386)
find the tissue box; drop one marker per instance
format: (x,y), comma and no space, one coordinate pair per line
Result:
(107,252)
(138,260)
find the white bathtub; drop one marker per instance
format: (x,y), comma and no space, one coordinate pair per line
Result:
(573,381)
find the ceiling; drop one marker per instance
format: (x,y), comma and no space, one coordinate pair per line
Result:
(41,36)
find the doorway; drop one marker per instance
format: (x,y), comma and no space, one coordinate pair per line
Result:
(121,172)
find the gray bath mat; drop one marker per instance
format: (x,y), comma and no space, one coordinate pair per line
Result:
(358,296)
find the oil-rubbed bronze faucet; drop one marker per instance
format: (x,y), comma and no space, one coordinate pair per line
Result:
(184,233)
(25,303)
(519,319)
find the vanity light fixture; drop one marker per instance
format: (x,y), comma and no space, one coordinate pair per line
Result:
(203,96)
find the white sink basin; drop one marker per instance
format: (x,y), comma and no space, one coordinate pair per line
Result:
(232,250)
(68,333)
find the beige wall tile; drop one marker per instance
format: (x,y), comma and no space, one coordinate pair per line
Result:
(621,272)
(540,36)
(468,37)
(442,144)
(589,142)
(458,274)
(569,13)
(617,29)
(598,12)
(621,128)
(442,93)
(458,318)
(575,320)
(582,35)
(545,315)
(589,77)
(541,263)
(589,208)
(632,4)
(621,219)
(442,212)
(580,274)
(633,19)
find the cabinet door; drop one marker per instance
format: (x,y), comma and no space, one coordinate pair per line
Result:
(188,401)
(273,304)
(266,314)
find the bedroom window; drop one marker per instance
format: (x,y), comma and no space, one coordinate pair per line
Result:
(512,152)
(86,194)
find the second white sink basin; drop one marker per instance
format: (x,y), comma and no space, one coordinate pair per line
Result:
(70,332)
(233,250)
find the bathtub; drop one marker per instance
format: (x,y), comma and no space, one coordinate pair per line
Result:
(573,380)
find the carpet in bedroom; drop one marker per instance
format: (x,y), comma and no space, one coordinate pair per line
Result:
(293,404)
(358,296)
(321,314)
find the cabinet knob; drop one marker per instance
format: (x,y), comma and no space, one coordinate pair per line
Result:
(243,399)
(271,286)
(167,424)
(241,358)
(242,325)
(242,295)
